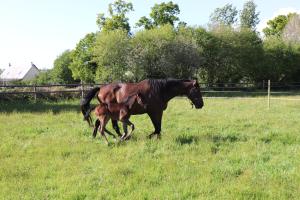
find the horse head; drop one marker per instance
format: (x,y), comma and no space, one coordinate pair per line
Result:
(194,94)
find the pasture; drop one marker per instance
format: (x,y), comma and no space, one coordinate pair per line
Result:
(231,149)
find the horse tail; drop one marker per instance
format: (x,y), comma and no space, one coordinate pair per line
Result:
(86,106)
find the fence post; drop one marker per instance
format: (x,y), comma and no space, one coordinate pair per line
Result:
(269,93)
(34,90)
(82,90)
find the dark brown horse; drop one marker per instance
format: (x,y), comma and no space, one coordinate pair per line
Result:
(156,94)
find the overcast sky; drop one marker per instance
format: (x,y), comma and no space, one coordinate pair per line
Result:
(39,30)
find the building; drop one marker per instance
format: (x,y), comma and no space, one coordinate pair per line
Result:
(13,73)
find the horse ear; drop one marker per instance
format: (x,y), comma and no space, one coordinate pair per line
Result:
(195,82)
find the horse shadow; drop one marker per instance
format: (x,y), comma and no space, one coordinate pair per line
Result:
(187,139)
(217,140)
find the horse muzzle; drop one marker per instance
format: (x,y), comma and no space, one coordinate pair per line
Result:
(199,106)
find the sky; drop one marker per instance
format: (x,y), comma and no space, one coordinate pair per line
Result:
(40,30)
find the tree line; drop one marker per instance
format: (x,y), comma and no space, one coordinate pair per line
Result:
(229,49)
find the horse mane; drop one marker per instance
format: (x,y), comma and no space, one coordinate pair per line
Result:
(158,86)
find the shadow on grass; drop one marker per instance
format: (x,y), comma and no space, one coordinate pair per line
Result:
(38,107)
(186,139)
(219,140)
(216,139)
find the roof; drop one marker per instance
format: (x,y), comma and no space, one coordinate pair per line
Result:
(16,73)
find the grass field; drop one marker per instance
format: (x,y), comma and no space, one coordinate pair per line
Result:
(231,149)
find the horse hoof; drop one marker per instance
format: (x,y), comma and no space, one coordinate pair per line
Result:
(128,137)
(150,136)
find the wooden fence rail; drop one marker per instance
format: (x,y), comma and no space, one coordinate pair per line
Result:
(45,89)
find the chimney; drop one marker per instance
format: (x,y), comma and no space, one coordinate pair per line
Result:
(32,65)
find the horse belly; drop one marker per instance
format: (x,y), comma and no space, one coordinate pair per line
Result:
(115,115)
(137,110)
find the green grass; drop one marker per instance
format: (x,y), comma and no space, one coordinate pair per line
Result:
(231,149)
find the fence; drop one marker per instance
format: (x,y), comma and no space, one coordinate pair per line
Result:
(35,90)
(264,89)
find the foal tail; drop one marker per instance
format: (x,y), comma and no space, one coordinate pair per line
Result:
(86,106)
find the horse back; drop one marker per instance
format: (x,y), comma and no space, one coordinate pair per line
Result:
(129,89)
(107,93)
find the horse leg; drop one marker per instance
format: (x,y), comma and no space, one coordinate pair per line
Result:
(125,130)
(132,129)
(97,124)
(156,121)
(116,127)
(109,133)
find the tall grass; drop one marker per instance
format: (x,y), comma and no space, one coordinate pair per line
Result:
(231,149)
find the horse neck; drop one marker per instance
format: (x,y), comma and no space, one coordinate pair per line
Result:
(178,89)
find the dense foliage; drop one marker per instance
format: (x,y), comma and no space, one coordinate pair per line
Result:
(276,26)
(61,73)
(230,50)
(83,67)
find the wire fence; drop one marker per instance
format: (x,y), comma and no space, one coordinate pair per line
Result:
(276,91)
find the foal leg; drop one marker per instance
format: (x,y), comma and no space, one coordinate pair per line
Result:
(103,121)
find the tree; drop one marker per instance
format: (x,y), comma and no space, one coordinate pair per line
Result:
(276,26)
(117,19)
(281,60)
(83,67)
(249,16)
(145,22)
(110,54)
(161,14)
(61,72)
(162,52)
(228,55)
(44,77)
(226,15)
(291,32)
(249,54)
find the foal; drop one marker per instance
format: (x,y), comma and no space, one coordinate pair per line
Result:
(116,111)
